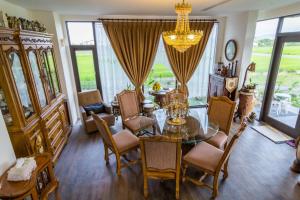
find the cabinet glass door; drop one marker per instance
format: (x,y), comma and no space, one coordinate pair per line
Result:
(53,71)
(4,108)
(37,78)
(21,84)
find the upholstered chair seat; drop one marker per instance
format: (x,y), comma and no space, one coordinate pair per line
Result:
(210,160)
(219,140)
(131,115)
(119,144)
(138,123)
(221,111)
(204,155)
(125,140)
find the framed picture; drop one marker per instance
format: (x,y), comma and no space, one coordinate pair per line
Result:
(230,50)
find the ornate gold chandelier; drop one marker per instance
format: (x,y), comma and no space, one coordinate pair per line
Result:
(182,37)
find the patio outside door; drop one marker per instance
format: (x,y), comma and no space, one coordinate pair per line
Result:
(282,105)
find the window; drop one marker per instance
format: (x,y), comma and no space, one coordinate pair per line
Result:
(84,55)
(161,72)
(198,84)
(291,24)
(81,33)
(261,54)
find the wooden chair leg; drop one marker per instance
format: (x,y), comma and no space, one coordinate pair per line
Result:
(34,194)
(177,187)
(225,174)
(57,194)
(118,159)
(154,130)
(184,172)
(106,154)
(215,186)
(145,187)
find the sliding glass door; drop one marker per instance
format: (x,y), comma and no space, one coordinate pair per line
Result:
(282,108)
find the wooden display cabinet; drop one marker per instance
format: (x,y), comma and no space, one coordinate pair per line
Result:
(217,87)
(31,101)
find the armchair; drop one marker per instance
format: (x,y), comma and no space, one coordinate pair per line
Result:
(91,97)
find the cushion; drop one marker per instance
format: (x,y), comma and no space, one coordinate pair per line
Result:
(138,123)
(125,140)
(204,156)
(95,108)
(219,140)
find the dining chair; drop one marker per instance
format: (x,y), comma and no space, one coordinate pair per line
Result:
(131,115)
(221,111)
(161,159)
(175,95)
(210,160)
(119,144)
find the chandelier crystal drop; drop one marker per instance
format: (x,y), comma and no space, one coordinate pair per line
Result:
(182,37)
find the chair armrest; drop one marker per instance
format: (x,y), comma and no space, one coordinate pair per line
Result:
(83,113)
(108,108)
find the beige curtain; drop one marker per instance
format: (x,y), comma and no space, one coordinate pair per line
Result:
(135,44)
(184,64)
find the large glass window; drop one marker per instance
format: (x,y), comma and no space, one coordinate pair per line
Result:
(81,33)
(291,24)
(161,72)
(84,54)
(86,70)
(261,54)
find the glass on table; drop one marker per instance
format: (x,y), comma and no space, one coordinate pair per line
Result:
(196,129)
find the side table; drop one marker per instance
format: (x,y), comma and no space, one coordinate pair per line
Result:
(246,104)
(115,109)
(41,184)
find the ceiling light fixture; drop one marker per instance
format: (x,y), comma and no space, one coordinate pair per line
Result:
(182,37)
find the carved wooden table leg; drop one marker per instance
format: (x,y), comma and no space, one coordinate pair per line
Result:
(296,165)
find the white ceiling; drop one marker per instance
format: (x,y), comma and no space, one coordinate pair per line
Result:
(148,7)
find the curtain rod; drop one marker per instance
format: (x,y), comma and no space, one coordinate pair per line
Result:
(154,20)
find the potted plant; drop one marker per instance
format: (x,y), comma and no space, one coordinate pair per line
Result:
(249,88)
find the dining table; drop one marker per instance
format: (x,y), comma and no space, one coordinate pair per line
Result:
(197,127)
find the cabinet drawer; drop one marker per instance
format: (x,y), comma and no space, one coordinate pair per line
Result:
(54,131)
(57,142)
(52,120)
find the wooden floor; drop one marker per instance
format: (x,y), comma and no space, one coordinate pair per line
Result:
(258,170)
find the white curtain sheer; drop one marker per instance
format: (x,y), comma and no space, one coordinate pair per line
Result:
(113,78)
(198,84)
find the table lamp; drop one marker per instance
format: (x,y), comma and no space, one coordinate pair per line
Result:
(250,68)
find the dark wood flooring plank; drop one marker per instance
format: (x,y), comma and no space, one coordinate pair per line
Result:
(258,170)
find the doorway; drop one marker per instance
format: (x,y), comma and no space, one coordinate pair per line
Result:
(282,97)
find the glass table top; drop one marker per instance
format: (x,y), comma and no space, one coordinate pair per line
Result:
(196,129)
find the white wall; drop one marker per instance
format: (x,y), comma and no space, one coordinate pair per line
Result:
(7,154)
(241,28)
(14,10)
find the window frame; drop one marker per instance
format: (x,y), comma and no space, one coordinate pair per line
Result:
(93,48)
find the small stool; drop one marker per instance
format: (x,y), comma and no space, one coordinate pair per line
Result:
(148,109)
(115,109)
